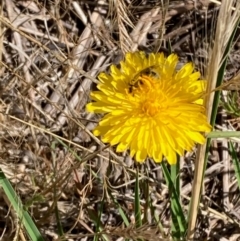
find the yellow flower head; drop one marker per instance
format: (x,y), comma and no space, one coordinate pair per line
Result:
(150,108)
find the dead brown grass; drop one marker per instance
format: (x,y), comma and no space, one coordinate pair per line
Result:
(50,55)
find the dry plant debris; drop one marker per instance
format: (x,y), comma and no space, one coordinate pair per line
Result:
(50,55)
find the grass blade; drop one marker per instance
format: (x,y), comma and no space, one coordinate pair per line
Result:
(236,164)
(219,59)
(96,218)
(137,208)
(57,214)
(177,212)
(22,214)
(120,210)
(223,134)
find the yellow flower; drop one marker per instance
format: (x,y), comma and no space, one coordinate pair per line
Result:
(150,108)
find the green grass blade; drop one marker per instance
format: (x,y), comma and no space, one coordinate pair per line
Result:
(177,212)
(137,208)
(216,101)
(69,149)
(223,134)
(201,167)
(236,164)
(22,214)
(57,214)
(96,219)
(221,77)
(120,210)
(175,169)
(159,224)
(175,180)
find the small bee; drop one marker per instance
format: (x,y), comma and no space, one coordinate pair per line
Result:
(136,81)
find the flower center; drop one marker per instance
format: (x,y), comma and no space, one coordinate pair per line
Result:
(151,97)
(151,107)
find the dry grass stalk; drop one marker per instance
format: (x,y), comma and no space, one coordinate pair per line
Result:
(146,232)
(123,20)
(90,32)
(227,20)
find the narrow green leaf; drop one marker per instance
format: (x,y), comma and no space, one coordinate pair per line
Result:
(221,77)
(22,214)
(236,164)
(96,219)
(175,169)
(216,101)
(176,185)
(137,208)
(223,134)
(120,210)
(176,208)
(57,214)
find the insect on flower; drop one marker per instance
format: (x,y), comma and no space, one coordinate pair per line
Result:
(137,81)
